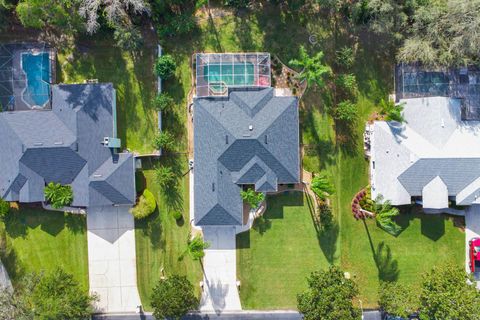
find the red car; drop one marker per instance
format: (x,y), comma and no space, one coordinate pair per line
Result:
(474,245)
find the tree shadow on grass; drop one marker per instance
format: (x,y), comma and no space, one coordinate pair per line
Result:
(327,237)
(151,227)
(14,267)
(15,225)
(76,223)
(386,265)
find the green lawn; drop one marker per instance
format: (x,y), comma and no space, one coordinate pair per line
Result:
(275,257)
(132,77)
(160,240)
(39,240)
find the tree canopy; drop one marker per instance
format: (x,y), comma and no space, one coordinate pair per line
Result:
(57,195)
(444,33)
(173,297)
(322,186)
(448,292)
(329,296)
(252,198)
(397,299)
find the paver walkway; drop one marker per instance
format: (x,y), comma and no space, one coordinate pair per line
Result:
(472,230)
(111,259)
(220,271)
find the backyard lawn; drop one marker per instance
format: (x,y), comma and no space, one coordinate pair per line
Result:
(160,240)
(39,240)
(275,256)
(132,77)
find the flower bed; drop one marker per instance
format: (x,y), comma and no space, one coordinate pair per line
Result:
(362,204)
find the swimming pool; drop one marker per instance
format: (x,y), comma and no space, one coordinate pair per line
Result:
(232,74)
(36,67)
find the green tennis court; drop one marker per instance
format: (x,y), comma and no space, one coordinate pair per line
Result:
(232,74)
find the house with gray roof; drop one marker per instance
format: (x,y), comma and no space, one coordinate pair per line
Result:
(433,158)
(248,138)
(73,143)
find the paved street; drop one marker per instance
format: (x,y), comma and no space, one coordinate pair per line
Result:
(220,291)
(111,258)
(242,315)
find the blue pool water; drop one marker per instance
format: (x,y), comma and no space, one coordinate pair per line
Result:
(37,70)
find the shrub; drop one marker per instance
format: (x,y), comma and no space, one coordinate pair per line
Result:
(326,216)
(347,83)
(173,297)
(57,195)
(164,176)
(345,57)
(162,102)
(346,111)
(196,247)
(322,186)
(4,208)
(165,66)
(177,215)
(146,205)
(252,198)
(164,140)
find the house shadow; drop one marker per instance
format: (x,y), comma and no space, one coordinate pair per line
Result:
(432,226)
(275,208)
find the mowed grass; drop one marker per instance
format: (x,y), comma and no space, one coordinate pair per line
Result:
(132,77)
(275,257)
(39,240)
(160,240)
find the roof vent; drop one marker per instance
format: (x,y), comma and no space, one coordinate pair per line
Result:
(213,186)
(266,139)
(443,123)
(37,144)
(97,175)
(250,127)
(226,139)
(58,143)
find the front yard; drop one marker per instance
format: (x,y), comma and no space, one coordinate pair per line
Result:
(37,240)
(275,256)
(160,240)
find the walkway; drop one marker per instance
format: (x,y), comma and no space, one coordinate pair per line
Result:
(472,230)
(220,271)
(111,259)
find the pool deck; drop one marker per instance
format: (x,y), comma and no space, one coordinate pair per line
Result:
(461,83)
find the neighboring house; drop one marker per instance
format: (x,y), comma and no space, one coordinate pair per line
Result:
(250,137)
(66,144)
(63,133)
(433,158)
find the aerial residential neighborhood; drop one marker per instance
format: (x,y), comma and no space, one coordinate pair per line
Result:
(240,159)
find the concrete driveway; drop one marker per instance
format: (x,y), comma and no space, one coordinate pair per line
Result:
(472,230)
(220,271)
(111,259)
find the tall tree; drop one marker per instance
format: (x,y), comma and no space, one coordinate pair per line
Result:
(448,292)
(444,33)
(313,70)
(60,14)
(397,299)
(329,296)
(173,297)
(116,12)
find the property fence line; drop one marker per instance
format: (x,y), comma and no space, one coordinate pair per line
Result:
(159,91)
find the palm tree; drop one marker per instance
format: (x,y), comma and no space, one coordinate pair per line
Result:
(313,71)
(322,186)
(384,212)
(196,247)
(164,176)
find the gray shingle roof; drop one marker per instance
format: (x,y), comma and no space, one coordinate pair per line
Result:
(64,145)
(456,173)
(249,137)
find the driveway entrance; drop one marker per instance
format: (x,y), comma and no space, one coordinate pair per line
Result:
(220,271)
(111,259)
